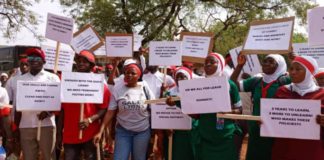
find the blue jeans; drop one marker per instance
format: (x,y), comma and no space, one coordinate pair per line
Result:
(127,142)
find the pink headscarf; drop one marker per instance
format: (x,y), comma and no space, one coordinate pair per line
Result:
(186,71)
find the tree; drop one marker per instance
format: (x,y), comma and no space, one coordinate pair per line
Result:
(231,29)
(148,18)
(165,19)
(14,15)
(299,38)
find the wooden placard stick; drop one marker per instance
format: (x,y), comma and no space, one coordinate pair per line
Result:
(170,145)
(57,51)
(161,100)
(98,151)
(81,119)
(39,130)
(239,117)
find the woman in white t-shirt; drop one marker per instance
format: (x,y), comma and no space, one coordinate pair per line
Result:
(133,130)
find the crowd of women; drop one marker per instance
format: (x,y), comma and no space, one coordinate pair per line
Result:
(128,118)
(212,137)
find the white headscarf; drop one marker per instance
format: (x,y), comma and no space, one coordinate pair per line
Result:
(129,61)
(280,70)
(308,84)
(174,91)
(221,64)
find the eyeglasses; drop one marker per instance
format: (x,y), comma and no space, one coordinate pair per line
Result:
(31,58)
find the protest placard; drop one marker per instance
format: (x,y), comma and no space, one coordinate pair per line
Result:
(119,45)
(317,52)
(205,95)
(252,65)
(269,36)
(315,19)
(82,87)
(86,39)
(38,96)
(169,117)
(165,53)
(59,28)
(101,51)
(290,118)
(137,41)
(196,46)
(65,58)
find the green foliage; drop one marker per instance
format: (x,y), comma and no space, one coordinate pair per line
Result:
(231,29)
(154,19)
(165,19)
(14,15)
(299,38)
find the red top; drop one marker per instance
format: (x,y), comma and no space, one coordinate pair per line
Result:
(296,149)
(72,118)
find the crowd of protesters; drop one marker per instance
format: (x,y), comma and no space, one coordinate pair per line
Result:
(121,127)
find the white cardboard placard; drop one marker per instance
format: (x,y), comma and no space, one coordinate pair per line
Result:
(119,46)
(205,95)
(195,46)
(290,118)
(59,28)
(165,53)
(86,40)
(82,87)
(252,65)
(65,58)
(317,52)
(315,19)
(169,117)
(270,36)
(101,51)
(38,96)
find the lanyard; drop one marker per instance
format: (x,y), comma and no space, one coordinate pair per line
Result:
(265,89)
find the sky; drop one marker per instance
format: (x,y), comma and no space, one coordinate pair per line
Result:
(24,37)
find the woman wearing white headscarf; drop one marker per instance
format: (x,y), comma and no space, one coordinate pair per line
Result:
(274,68)
(183,141)
(303,86)
(217,134)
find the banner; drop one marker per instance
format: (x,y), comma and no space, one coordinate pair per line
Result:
(65,58)
(59,28)
(119,45)
(315,18)
(290,118)
(86,39)
(252,65)
(38,96)
(165,53)
(82,87)
(269,36)
(317,52)
(169,117)
(196,46)
(205,95)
